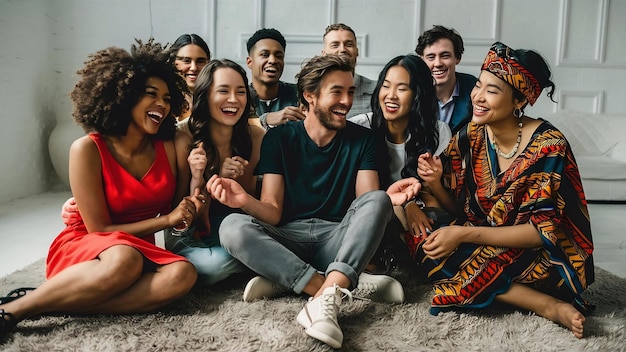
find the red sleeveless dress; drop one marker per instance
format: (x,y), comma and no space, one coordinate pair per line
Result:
(129,200)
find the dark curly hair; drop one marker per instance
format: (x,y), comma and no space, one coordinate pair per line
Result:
(430,36)
(241,142)
(422,132)
(114,80)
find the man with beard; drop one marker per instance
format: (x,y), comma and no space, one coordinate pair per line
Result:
(275,101)
(340,38)
(321,214)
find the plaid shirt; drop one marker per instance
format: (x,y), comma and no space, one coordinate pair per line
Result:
(362,95)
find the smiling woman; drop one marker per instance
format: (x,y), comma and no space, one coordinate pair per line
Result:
(190,53)
(123,177)
(522,234)
(216,139)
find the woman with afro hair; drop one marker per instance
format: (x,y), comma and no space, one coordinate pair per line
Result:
(123,179)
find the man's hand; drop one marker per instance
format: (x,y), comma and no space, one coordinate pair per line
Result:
(227,191)
(290,113)
(403,190)
(69,212)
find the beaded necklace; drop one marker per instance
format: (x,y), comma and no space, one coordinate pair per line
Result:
(510,154)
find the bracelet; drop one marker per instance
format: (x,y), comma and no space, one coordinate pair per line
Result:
(420,203)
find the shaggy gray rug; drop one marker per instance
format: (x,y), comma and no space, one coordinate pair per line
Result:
(218,320)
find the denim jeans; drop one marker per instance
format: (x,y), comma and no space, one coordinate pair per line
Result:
(292,253)
(212,262)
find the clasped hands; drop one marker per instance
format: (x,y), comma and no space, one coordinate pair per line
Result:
(232,167)
(446,239)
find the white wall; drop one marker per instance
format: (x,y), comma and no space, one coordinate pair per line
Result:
(44,42)
(25,86)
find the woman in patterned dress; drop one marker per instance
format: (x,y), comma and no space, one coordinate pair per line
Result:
(522,235)
(123,177)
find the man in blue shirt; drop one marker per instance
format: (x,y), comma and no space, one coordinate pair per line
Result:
(321,214)
(275,101)
(441,48)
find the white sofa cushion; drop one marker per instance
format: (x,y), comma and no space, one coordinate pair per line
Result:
(619,151)
(588,134)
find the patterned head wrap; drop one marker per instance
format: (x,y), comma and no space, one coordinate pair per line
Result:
(501,61)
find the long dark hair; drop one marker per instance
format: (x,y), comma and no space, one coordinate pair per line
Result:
(422,133)
(241,142)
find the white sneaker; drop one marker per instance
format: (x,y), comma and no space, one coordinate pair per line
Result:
(319,316)
(379,288)
(260,287)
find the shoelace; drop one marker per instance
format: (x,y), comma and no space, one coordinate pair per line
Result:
(328,304)
(364,290)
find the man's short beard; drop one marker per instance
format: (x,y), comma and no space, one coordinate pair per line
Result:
(325,120)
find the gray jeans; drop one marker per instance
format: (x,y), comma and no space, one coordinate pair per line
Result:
(292,253)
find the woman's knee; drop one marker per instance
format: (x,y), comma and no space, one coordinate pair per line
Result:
(177,279)
(120,267)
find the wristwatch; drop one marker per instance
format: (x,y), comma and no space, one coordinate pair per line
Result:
(263,121)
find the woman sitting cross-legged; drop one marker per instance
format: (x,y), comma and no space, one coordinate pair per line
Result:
(123,178)
(404,121)
(522,235)
(215,140)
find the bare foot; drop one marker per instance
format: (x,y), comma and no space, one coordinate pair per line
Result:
(568,316)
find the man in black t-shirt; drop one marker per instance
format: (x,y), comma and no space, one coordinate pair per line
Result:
(321,214)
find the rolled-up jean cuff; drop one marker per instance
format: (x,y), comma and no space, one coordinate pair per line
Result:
(346,270)
(304,279)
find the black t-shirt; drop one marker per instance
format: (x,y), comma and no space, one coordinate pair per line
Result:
(319,182)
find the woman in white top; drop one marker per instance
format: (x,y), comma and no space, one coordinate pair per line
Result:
(404,118)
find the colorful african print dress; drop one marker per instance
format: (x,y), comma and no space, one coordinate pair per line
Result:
(542,187)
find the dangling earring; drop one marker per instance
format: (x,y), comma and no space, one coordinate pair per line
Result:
(519,113)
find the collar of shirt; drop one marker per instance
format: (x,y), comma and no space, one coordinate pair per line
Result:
(445,109)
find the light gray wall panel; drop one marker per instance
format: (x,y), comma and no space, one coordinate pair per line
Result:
(583,32)
(616,35)
(587,101)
